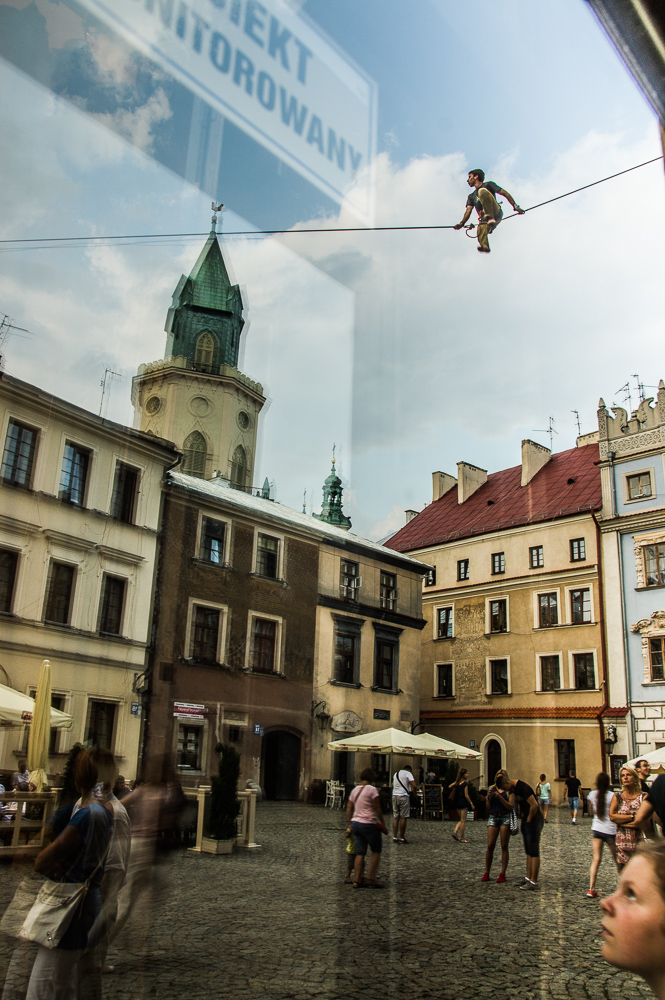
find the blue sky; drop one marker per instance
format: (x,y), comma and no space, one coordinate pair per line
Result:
(409,350)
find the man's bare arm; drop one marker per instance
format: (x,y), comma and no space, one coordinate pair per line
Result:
(511,200)
(467,213)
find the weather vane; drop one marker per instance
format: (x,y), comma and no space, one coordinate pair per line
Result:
(215,210)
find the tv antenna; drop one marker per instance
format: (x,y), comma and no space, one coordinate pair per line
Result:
(7,328)
(550,431)
(577,421)
(104,382)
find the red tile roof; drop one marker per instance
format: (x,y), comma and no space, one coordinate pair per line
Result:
(568,484)
(564,712)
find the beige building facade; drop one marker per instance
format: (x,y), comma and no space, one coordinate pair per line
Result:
(368,649)
(513,661)
(80,501)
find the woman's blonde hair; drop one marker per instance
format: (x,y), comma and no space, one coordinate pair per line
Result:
(499,777)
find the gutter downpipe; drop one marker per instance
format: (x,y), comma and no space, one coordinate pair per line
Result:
(629,692)
(603,647)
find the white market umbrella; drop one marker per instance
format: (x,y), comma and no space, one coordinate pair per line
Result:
(449,749)
(19,708)
(387,741)
(40,729)
(655,757)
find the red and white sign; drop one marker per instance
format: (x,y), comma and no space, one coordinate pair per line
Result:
(184,710)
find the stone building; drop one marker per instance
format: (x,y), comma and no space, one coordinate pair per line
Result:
(513,660)
(275,632)
(80,501)
(632,526)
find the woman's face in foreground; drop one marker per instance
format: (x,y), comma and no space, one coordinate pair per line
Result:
(634,920)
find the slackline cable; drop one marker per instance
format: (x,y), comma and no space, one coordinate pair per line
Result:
(295,232)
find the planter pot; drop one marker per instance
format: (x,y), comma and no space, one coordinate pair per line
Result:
(211,846)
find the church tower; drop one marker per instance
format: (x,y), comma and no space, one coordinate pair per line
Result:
(195,395)
(331,509)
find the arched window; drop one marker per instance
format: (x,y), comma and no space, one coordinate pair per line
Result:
(195,452)
(205,349)
(239,470)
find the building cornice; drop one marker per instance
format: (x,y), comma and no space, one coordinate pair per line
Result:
(564,712)
(355,608)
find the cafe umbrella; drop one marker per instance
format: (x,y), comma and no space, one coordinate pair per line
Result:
(40,729)
(450,749)
(18,708)
(391,741)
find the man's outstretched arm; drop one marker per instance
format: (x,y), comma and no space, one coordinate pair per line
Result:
(511,200)
(467,213)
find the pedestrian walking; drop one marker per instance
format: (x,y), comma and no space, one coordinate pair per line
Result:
(458,794)
(623,812)
(633,928)
(71,970)
(523,797)
(572,793)
(543,791)
(498,825)
(403,784)
(350,855)
(603,830)
(363,811)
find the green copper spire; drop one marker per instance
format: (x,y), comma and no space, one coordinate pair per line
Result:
(331,509)
(205,320)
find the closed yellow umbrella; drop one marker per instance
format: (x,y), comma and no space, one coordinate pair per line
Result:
(40,729)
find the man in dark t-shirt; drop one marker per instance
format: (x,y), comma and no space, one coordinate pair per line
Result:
(523,797)
(653,803)
(483,199)
(572,793)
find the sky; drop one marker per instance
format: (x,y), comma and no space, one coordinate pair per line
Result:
(407,350)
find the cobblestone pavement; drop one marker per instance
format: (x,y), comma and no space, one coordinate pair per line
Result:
(279,922)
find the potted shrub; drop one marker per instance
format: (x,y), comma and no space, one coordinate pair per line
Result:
(224,805)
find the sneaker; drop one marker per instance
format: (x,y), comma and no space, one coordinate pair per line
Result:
(395,840)
(530,885)
(486,877)
(403,840)
(502,878)
(574,822)
(521,882)
(592,894)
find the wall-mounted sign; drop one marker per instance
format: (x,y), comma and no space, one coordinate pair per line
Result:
(136,708)
(272,72)
(382,713)
(185,710)
(258,729)
(346,722)
(472,744)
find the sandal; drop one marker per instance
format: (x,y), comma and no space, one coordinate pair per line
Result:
(360,885)
(465,841)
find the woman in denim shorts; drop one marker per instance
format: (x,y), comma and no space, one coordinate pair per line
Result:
(498,824)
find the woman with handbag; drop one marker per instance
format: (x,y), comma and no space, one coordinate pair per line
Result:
(522,796)
(363,811)
(75,859)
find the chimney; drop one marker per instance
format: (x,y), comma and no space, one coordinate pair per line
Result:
(410,514)
(441,483)
(534,457)
(469,479)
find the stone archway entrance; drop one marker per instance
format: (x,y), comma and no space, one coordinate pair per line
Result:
(281,765)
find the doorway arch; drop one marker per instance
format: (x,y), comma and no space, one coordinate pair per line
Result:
(281,765)
(493,750)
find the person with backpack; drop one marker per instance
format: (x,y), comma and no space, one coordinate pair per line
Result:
(403,784)
(603,830)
